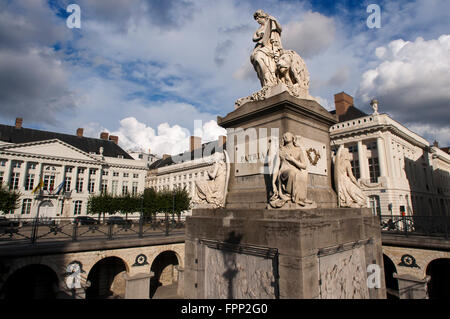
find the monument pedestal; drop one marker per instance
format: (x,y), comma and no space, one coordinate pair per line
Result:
(260,253)
(249,249)
(267,121)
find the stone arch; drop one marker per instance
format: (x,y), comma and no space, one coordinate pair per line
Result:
(106,278)
(164,268)
(391,282)
(33,281)
(47,209)
(439,282)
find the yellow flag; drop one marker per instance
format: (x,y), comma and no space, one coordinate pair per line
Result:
(41,183)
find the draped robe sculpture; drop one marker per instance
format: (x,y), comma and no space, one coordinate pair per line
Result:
(213,191)
(348,189)
(277,69)
(290,174)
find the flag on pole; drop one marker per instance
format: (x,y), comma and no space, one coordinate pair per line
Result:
(60,187)
(38,186)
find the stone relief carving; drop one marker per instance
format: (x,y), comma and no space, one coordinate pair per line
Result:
(342,275)
(290,175)
(348,189)
(278,70)
(214,190)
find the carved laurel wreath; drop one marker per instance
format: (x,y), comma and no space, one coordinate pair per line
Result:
(316,156)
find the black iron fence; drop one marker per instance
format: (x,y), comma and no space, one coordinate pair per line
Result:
(434,226)
(32,230)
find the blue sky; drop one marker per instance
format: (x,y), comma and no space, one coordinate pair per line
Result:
(147,70)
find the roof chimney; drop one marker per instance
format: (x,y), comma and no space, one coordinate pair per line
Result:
(19,121)
(221,141)
(114,138)
(104,135)
(80,132)
(195,142)
(342,102)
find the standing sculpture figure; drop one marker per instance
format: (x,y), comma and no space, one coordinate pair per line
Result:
(268,48)
(290,176)
(348,190)
(213,191)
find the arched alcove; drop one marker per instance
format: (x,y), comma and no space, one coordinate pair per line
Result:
(31,282)
(106,280)
(438,286)
(165,272)
(391,282)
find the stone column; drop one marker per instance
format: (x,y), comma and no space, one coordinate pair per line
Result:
(410,287)
(363,163)
(8,169)
(23,173)
(137,286)
(381,156)
(180,288)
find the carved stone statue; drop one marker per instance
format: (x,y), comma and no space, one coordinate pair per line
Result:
(347,187)
(214,190)
(278,70)
(290,175)
(374,104)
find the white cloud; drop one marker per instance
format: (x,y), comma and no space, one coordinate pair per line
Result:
(310,36)
(166,139)
(411,81)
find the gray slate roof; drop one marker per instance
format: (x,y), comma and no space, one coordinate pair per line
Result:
(11,134)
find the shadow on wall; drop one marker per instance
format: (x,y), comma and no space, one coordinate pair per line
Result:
(229,260)
(164,271)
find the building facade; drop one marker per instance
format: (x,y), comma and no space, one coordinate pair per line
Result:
(170,173)
(399,170)
(56,173)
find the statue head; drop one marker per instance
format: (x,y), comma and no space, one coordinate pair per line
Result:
(288,137)
(259,14)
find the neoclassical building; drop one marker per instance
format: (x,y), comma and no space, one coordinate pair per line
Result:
(183,170)
(56,173)
(398,169)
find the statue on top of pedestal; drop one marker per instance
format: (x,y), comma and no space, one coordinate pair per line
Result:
(278,69)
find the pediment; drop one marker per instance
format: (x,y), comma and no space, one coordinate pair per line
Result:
(53,148)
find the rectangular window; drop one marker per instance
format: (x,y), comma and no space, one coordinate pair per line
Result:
(77,207)
(81,171)
(1,178)
(79,185)
(355,168)
(14,183)
(3,162)
(125,174)
(68,184)
(374,169)
(29,183)
(49,182)
(91,186)
(16,164)
(104,173)
(104,186)
(92,171)
(134,188)
(69,169)
(32,165)
(26,206)
(124,188)
(115,174)
(114,186)
(135,175)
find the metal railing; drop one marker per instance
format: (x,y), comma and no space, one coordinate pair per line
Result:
(32,230)
(433,226)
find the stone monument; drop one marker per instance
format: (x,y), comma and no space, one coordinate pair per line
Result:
(281,232)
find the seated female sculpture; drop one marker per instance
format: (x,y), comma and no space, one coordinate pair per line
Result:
(290,176)
(347,187)
(213,190)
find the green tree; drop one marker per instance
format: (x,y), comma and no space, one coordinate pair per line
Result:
(9,199)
